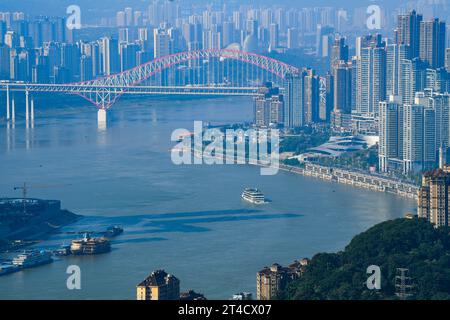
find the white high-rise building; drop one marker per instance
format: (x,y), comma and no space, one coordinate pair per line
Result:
(391,136)
(412,79)
(121,20)
(413,136)
(395,54)
(161,42)
(110,56)
(128,16)
(371,80)
(419,147)
(274,41)
(441,105)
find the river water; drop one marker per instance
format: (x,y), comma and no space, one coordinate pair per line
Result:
(188,220)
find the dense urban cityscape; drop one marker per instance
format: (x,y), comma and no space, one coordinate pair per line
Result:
(359,97)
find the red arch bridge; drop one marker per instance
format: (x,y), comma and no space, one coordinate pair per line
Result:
(198,72)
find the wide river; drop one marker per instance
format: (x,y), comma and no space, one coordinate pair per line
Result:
(188,220)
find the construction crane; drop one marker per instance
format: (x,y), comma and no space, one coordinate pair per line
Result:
(25,188)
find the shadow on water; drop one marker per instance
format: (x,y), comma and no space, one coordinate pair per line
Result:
(184,222)
(138,240)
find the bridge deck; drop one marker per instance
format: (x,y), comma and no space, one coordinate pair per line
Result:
(137,90)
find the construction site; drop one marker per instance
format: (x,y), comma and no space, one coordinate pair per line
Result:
(26,220)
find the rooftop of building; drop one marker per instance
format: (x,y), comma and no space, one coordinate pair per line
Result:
(156,279)
(292,268)
(438,173)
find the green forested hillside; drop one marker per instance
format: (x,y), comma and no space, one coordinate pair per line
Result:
(414,244)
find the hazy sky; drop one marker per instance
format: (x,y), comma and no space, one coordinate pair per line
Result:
(58,6)
(93,9)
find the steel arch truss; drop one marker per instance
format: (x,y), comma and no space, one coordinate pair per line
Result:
(105,98)
(104,92)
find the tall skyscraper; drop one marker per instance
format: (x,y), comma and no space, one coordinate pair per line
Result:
(324,39)
(292,38)
(280,18)
(128,56)
(128,16)
(419,139)
(3,30)
(96,58)
(326,97)
(274,36)
(432,43)
(408,32)
(395,54)
(121,20)
(110,56)
(293,111)
(339,51)
(237,20)
(391,136)
(161,42)
(440,103)
(413,73)
(86,68)
(70,57)
(227,34)
(311,97)
(60,29)
(371,80)
(212,40)
(5,56)
(342,73)
(372,40)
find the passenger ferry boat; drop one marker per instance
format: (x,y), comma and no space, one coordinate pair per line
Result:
(32,258)
(90,246)
(254,196)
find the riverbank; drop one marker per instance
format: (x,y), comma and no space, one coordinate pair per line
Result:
(357,179)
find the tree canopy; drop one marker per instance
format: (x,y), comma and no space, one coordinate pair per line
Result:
(402,243)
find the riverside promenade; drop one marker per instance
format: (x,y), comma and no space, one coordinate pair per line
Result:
(357,179)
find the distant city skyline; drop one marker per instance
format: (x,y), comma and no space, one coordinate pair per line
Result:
(361,69)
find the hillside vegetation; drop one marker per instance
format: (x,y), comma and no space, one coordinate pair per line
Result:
(413,244)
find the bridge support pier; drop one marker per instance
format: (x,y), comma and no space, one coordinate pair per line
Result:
(101,118)
(32,112)
(13,110)
(27,107)
(7,104)
(32,109)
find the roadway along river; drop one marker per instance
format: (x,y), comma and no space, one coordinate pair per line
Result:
(189,220)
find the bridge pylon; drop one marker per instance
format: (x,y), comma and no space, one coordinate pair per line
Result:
(8,112)
(101,118)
